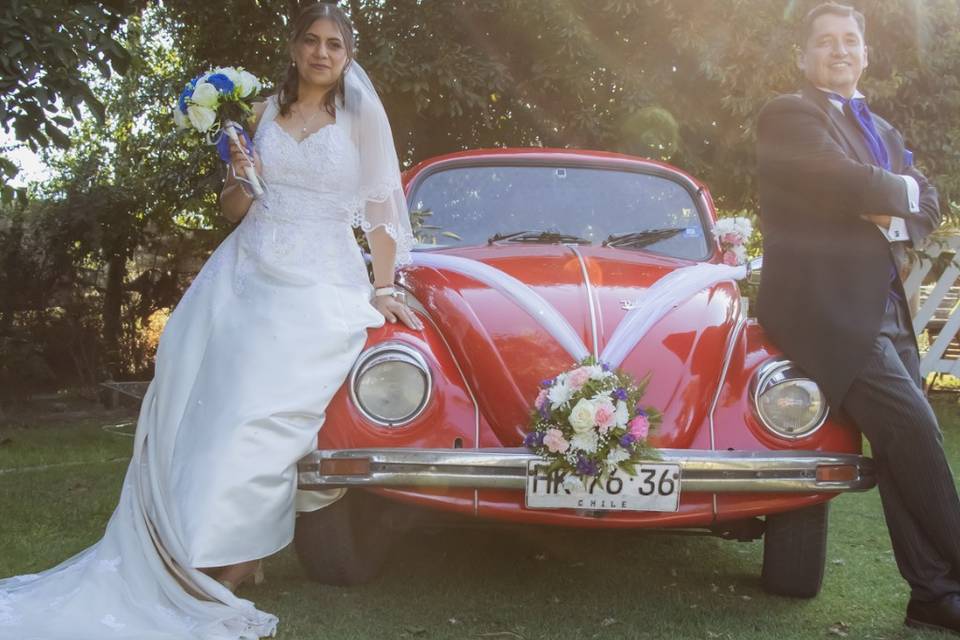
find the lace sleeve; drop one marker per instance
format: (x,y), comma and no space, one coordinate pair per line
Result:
(380,200)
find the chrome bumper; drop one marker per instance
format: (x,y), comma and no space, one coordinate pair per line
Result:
(700,470)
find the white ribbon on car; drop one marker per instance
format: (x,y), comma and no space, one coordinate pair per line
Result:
(666,294)
(646,310)
(522,295)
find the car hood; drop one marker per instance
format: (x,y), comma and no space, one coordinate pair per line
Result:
(505,351)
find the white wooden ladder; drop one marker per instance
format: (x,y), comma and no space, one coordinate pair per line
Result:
(935,305)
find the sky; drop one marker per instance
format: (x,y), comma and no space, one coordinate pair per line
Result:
(32,167)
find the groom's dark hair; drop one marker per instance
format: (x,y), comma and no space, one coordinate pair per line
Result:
(830,8)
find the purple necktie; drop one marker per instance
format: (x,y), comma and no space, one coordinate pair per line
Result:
(857,107)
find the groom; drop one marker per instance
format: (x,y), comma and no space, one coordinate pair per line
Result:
(840,201)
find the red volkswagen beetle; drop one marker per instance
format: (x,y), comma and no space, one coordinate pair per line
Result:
(518,242)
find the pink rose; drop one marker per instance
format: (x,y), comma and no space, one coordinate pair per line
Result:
(578,377)
(639,427)
(555,442)
(605,416)
(541,399)
(731,238)
(730,258)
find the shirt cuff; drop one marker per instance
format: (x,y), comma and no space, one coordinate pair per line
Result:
(913,194)
(897,231)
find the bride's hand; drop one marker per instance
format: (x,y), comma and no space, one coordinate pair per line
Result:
(239,161)
(392,309)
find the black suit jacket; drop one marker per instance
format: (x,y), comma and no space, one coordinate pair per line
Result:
(826,272)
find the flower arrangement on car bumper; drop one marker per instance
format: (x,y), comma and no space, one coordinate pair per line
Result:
(590,422)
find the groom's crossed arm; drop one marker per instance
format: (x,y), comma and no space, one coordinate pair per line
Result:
(797,153)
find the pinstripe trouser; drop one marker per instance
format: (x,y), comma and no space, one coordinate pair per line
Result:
(916,485)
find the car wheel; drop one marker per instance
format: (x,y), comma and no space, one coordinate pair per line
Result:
(345,543)
(795,552)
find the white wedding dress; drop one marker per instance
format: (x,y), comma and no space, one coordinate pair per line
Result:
(245,368)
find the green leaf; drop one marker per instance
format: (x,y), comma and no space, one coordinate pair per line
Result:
(58,137)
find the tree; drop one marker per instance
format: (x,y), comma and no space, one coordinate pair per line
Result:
(134,204)
(42,46)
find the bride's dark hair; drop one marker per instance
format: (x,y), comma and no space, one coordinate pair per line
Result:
(290,83)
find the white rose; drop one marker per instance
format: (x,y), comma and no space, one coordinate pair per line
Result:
(583,416)
(201,118)
(180,119)
(248,83)
(573,483)
(621,415)
(586,441)
(205,95)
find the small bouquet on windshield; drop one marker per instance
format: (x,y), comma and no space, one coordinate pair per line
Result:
(733,235)
(214,104)
(590,422)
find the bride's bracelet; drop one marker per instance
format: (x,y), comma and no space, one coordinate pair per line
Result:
(385,291)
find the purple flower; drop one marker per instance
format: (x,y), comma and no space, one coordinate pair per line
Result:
(604,366)
(546,383)
(627,440)
(222,83)
(620,394)
(544,412)
(587,467)
(641,411)
(533,439)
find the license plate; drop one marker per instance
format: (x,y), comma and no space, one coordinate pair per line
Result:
(655,487)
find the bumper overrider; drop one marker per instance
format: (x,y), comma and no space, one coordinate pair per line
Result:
(701,471)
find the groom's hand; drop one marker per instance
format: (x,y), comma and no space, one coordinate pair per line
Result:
(877,219)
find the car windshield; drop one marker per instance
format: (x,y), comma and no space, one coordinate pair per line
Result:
(630,210)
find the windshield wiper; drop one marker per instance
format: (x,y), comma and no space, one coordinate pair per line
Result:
(640,239)
(548,237)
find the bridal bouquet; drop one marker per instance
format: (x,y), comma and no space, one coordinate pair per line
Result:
(214,103)
(733,234)
(590,421)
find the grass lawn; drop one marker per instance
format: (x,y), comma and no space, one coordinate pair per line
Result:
(491,584)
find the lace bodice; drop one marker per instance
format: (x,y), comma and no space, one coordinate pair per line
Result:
(301,229)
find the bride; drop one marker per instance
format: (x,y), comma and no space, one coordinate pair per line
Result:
(260,342)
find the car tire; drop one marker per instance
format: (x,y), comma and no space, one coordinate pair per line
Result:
(345,543)
(795,551)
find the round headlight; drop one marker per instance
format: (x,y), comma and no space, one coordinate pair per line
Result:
(787,402)
(391,384)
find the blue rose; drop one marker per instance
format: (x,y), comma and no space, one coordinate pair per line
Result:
(222,83)
(185,95)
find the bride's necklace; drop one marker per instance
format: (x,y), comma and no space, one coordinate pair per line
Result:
(306,123)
